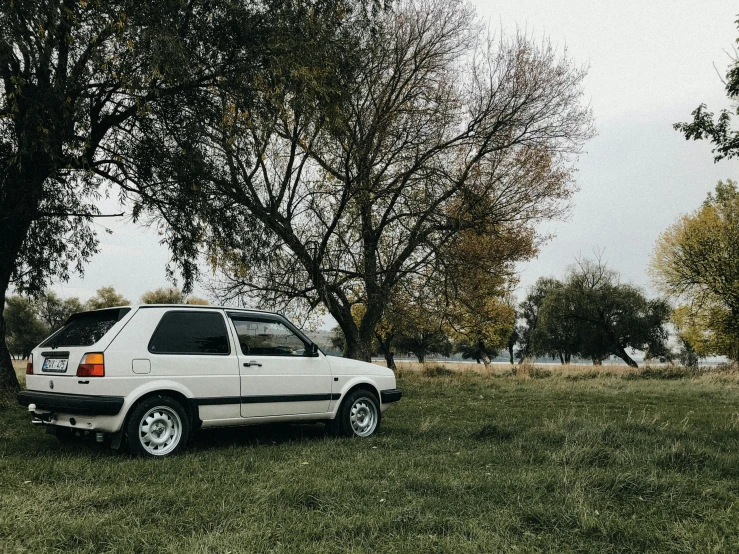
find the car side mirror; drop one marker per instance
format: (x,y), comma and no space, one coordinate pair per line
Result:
(311,350)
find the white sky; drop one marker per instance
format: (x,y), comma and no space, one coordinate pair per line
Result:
(651,63)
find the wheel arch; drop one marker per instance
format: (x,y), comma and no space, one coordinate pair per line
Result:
(188,404)
(359,385)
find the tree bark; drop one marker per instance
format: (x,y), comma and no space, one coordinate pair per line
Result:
(8,380)
(484,354)
(22,192)
(10,246)
(621,353)
(421,357)
(359,343)
(387,352)
(510,353)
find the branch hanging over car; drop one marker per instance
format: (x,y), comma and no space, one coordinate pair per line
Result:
(333,198)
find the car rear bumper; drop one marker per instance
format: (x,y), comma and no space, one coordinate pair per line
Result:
(390,395)
(72,403)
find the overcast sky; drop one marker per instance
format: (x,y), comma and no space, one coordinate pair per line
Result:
(650,64)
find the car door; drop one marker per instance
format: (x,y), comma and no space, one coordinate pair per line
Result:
(278,377)
(191,347)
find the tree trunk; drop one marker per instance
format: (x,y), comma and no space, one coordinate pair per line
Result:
(358,351)
(421,357)
(8,380)
(483,354)
(510,353)
(358,344)
(21,195)
(561,359)
(385,346)
(621,353)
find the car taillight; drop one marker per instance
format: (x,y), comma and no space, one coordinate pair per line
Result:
(29,365)
(92,365)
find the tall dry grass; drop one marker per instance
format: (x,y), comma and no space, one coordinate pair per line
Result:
(569,371)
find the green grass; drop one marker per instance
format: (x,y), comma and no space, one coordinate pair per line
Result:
(464,463)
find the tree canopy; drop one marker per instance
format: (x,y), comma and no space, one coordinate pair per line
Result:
(439,131)
(317,154)
(696,262)
(170,295)
(87,91)
(592,315)
(30,320)
(719,131)
(25,329)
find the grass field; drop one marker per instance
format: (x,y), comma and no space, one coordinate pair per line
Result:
(467,462)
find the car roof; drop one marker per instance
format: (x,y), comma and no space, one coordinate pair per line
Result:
(189,307)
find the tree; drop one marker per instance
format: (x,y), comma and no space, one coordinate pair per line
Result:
(90,94)
(171,295)
(78,83)
(719,132)
(529,311)
(336,340)
(413,322)
(440,131)
(106,297)
(477,276)
(595,316)
(513,340)
(421,340)
(24,329)
(696,262)
(54,311)
(556,334)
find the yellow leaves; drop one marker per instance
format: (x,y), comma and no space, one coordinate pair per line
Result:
(490,320)
(696,259)
(703,327)
(358,311)
(697,253)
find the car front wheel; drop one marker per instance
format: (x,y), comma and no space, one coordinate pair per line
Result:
(157,427)
(359,415)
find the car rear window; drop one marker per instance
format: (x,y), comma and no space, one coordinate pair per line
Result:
(86,328)
(182,332)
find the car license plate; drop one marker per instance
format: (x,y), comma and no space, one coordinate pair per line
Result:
(57,365)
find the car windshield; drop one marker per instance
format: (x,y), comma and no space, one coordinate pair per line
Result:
(85,329)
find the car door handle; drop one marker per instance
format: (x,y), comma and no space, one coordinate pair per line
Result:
(251,363)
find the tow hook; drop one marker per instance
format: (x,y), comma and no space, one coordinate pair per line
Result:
(39,419)
(42,419)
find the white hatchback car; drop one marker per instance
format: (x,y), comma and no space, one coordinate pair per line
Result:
(154,373)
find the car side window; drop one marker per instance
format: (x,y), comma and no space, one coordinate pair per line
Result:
(267,338)
(181,332)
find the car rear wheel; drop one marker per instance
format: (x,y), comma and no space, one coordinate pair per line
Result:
(157,427)
(358,416)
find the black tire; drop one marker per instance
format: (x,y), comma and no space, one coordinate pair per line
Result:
(166,432)
(362,403)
